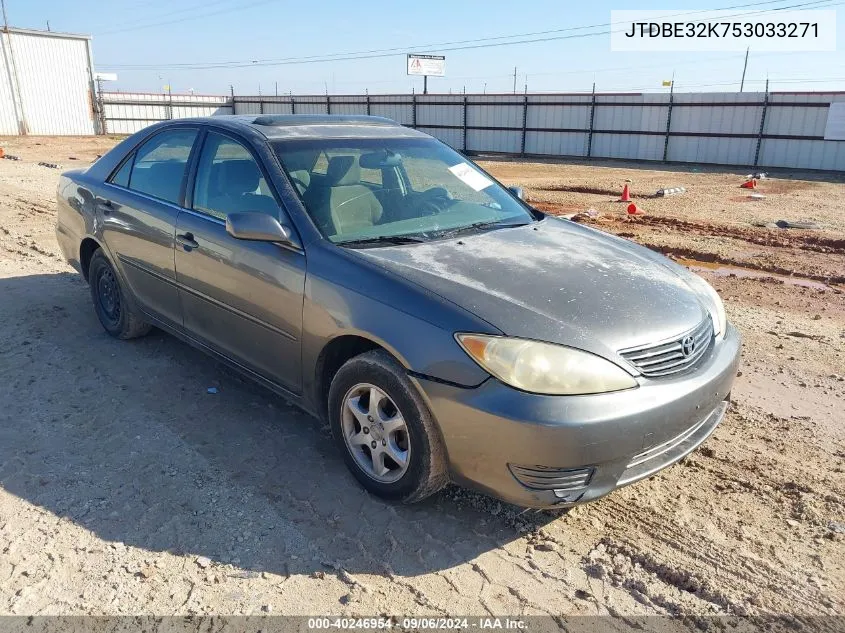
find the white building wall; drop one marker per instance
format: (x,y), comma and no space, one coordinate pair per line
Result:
(9,101)
(46,84)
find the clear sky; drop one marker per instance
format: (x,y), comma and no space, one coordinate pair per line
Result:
(143,41)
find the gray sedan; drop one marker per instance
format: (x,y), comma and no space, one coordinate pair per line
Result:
(380,280)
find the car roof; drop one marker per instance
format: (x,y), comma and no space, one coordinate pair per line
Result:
(310,126)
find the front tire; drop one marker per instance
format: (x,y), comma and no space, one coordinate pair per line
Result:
(117,316)
(387,435)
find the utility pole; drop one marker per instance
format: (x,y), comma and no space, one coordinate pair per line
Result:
(5,19)
(514,79)
(425,84)
(744,68)
(101,108)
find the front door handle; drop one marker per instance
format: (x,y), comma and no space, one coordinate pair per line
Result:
(187,241)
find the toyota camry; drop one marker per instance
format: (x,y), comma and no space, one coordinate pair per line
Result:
(382,281)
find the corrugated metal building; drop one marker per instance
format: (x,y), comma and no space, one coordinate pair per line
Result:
(46,83)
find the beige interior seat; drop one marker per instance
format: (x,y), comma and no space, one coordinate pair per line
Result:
(344,205)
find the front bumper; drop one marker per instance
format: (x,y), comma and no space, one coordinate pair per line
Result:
(595,443)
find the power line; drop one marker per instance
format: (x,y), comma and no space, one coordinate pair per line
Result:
(187,9)
(483,39)
(451,46)
(186,19)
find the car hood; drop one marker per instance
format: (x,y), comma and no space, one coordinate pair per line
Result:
(555,281)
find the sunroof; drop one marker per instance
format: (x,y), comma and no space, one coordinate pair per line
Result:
(280,120)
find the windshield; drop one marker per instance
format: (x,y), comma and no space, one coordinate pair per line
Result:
(369,190)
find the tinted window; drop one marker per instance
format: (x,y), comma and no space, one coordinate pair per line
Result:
(230,181)
(121,177)
(160,164)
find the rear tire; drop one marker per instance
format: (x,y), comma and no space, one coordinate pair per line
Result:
(117,316)
(393,448)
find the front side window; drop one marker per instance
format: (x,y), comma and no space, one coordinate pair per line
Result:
(160,164)
(230,181)
(375,189)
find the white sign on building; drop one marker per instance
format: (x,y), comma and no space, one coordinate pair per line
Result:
(429,65)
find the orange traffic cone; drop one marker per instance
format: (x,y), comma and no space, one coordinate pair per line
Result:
(626,195)
(634,210)
(749,184)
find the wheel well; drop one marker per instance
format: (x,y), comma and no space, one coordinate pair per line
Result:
(86,252)
(332,358)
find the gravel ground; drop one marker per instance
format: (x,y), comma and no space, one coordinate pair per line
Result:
(126,488)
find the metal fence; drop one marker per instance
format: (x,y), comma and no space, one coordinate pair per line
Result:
(746,129)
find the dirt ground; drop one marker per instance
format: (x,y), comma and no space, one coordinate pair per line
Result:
(126,488)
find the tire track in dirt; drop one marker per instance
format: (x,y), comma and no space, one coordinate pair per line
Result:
(640,230)
(714,258)
(668,563)
(672,555)
(585,189)
(794,238)
(673,560)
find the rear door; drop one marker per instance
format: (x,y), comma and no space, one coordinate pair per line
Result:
(241,298)
(138,209)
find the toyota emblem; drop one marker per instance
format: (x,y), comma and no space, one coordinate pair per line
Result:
(688,345)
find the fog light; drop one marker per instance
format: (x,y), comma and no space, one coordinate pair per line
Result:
(563,481)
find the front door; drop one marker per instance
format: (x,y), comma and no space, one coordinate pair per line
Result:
(241,298)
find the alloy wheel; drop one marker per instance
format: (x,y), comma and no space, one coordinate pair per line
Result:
(375,433)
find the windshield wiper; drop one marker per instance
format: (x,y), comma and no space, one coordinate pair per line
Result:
(382,239)
(478,226)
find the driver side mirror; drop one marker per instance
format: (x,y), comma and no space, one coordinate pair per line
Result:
(519,192)
(258,227)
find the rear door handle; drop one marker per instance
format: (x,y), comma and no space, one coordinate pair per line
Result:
(187,241)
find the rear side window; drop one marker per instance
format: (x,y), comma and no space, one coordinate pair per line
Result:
(160,164)
(229,180)
(121,176)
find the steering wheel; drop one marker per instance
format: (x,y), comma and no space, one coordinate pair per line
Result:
(433,201)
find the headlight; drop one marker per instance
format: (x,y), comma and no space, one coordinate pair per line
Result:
(543,367)
(712,300)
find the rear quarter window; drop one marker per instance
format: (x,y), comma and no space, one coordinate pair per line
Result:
(121,176)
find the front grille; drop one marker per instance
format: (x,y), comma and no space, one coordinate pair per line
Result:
(672,356)
(548,478)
